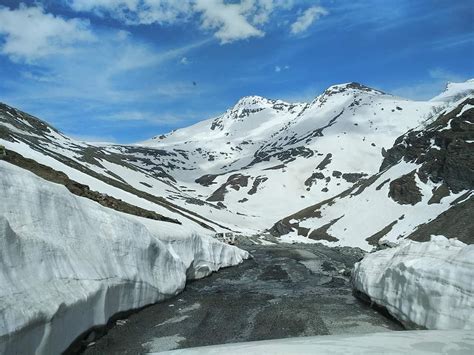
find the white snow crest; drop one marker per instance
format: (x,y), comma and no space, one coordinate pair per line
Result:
(67,263)
(408,342)
(428,284)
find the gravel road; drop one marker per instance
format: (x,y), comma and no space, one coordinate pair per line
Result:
(283,291)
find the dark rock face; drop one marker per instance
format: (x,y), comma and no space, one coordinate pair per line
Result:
(453,223)
(444,149)
(382,184)
(256,183)
(281,228)
(283,155)
(353,177)
(313,179)
(374,239)
(404,190)
(235,181)
(322,232)
(438,194)
(206,180)
(325,162)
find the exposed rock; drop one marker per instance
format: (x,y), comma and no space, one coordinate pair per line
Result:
(457,222)
(312,179)
(322,232)
(404,190)
(382,184)
(353,177)
(443,149)
(375,238)
(439,193)
(206,180)
(234,181)
(325,162)
(258,180)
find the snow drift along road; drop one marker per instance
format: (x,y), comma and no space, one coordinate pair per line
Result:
(412,342)
(67,263)
(428,284)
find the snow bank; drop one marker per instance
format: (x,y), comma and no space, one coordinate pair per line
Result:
(67,263)
(427,284)
(411,342)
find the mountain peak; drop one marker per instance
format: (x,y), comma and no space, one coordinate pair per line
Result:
(335,89)
(455,91)
(253,101)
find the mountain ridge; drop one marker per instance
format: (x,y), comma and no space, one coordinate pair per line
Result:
(264,159)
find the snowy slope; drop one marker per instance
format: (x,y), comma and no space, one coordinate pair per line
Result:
(261,150)
(410,342)
(456,91)
(256,163)
(429,285)
(88,164)
(425,186)
(67,263)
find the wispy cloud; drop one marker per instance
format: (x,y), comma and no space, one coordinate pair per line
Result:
(309,16)
(433,85)
(93,138)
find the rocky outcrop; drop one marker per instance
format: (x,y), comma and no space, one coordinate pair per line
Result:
(453,223)
(445,149)
(353,177)
(206,180)
(404,190)
(235,181)
(256,183)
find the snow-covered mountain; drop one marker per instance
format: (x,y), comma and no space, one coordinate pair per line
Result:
(424,187)
(263,159)
(354,167)
(258,162)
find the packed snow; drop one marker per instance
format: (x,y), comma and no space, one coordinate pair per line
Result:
(409,342)
(68,264)
(454,91)
(356,217)
(428,285)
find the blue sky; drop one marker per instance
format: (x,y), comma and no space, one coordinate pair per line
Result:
(126,70)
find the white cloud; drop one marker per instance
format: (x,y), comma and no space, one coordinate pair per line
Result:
(137,12)
(30,33)
(184,61)
(229,21)
(307,19)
